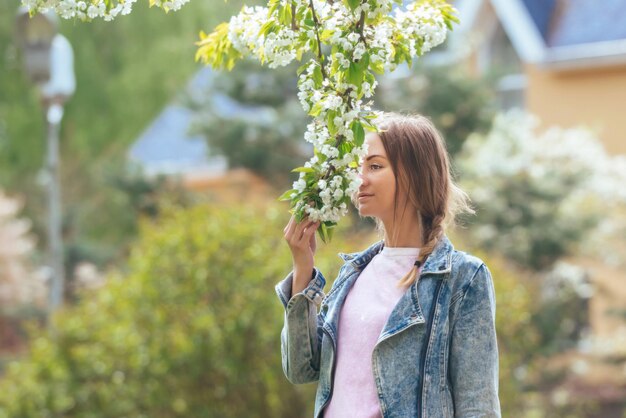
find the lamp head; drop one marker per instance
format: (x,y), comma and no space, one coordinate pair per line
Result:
(35,35)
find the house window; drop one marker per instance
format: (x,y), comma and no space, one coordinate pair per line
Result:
(499,60)
(510,91)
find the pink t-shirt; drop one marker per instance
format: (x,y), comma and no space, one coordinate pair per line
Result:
(363,316)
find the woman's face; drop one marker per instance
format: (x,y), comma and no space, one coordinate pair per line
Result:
(376,194)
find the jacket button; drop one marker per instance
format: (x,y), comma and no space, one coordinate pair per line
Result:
(317,298)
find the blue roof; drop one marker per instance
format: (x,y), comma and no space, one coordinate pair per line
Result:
(541,12)
(166,147)
(586,21)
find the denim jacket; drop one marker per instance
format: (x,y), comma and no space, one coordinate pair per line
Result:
(437,354)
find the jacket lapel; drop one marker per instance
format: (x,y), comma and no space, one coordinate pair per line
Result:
(407,311)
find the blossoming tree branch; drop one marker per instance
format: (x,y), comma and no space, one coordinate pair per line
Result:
(344,43)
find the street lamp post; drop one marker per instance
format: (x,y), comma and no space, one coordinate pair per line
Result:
(49,63)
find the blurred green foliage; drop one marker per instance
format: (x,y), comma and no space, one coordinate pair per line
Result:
(518,339)
(192,329)
(266,137)
(127,71)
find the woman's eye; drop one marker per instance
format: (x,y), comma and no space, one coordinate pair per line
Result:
(375,166)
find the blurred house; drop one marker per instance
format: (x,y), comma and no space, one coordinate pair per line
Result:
(167,148)
(563,60)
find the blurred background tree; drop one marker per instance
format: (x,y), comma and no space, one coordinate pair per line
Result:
(252,116)
(457,103)
(124,76)
(549,193)
(174,331)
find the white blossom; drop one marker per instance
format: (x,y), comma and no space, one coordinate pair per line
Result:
(332,102)
(558,185)
(325,89)
(299,185)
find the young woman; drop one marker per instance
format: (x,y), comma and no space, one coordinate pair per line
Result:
(407,329)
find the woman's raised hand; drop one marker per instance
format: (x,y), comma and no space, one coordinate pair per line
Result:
(301,240)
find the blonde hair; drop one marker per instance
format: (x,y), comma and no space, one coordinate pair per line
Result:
(419,159)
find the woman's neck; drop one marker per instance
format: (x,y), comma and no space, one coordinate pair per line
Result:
(404,233)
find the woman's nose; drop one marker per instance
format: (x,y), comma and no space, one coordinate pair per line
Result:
(362,176)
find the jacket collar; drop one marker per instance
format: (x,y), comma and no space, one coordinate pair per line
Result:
(439,261)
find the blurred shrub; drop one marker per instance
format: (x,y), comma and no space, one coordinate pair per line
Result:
(533,318)
(191,330)
(19,284)
(22,287)
(563,316)
(518,339)
(539,195)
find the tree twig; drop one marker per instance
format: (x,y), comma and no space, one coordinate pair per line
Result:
(294,25)
(319,42)
(361,27)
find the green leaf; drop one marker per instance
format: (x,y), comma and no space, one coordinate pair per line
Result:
(266,28)
(329,233)
(359,133)
(323,233)
(326,34)
(316,110)
(287,195)
(344,148)
(330,121)
(303,170)
(317,76)
(368,125)
(320,157)
(364,62)
(273,4)
(378,67)
(352,4)
(355,74)
(299,53)
(284,16)
(301,69)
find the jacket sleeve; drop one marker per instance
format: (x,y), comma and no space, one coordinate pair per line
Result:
(300,341)
(474,351)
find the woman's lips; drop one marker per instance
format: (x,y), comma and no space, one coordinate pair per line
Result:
(363,196)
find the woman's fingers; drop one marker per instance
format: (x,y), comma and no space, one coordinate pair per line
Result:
(301,234)
(309,235)
(311,228)
(290,225)
(301,228)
